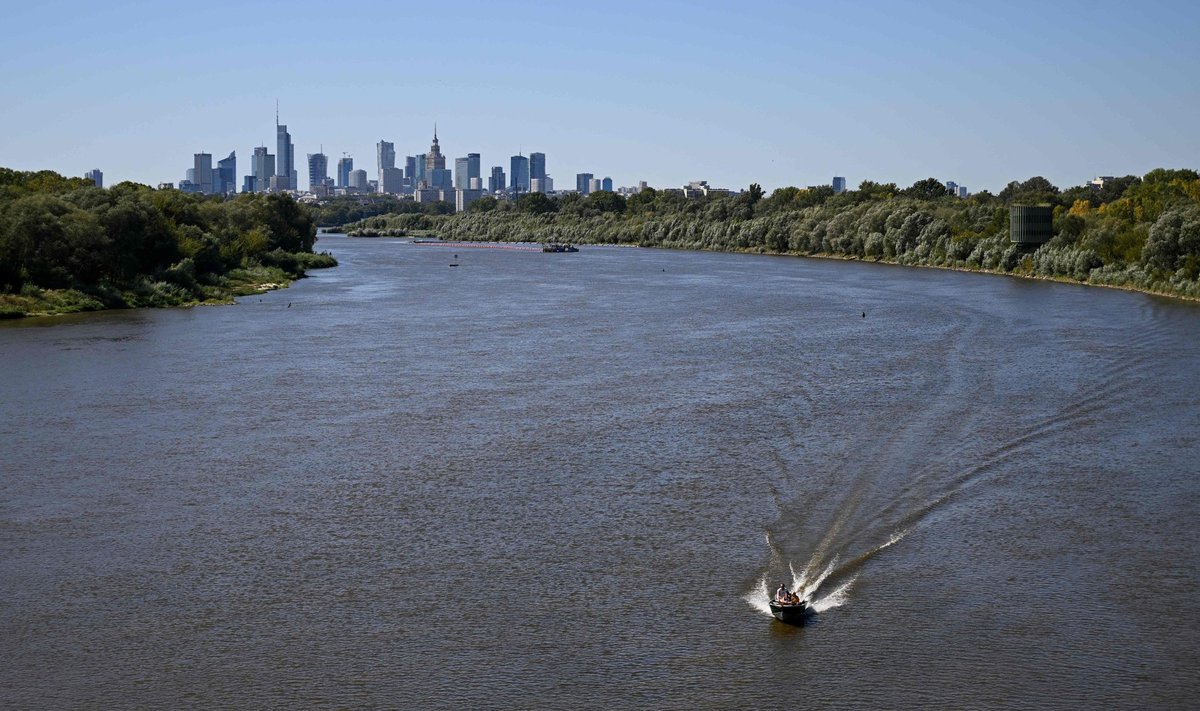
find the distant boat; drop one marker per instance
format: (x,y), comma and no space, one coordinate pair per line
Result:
(792,613)
(559,247)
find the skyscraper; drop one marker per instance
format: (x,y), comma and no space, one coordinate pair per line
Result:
(583,183)
(203,176)
(606,184)
(318,169)
(537,166)
(344,166)
(358,179)
(496,181)
(839,184)
(472,168)
(435,166)
(263,169)
(385,157)
(391,181)
(418,176)
(410,169)
(285,156)
(519,173)
(461,179)
(96,177)
(594,185)
(225,176)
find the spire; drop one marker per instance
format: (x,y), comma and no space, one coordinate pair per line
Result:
(435,131)
(277,113)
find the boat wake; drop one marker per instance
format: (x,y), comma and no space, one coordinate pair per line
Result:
(808,582)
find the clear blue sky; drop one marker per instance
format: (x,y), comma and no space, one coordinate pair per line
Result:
(731,92)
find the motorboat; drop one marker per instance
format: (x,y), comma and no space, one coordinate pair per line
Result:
(559,247)
(792,613)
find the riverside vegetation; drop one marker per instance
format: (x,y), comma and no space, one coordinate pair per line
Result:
(1139,233)
(68,246)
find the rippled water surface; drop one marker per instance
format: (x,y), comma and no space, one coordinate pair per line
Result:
(566,480)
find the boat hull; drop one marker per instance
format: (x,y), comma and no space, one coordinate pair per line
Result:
(790,614)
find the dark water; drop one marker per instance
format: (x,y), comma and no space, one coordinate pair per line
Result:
(560,481)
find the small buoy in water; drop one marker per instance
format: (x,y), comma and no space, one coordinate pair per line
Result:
(864,314)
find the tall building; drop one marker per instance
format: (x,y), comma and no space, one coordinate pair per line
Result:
(225,176)
(839,184)
(385,157)
(263,169)
(519,173)
(318,169)
(606,184)
(202,175)
(435,166)
(391,181)
(96,177)
(473,168)
(285,156)
(344,166)
(410,168)
(594,185)
(537,166)
(583,183)
(461,179)
(418,175)
(496,182)
(952,187)
(358,180)
(963,192)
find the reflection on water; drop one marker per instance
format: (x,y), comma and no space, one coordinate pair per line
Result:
(542,480)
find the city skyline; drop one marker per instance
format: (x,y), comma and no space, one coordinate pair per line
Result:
(867,92)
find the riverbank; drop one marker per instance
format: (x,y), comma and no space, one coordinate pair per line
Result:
(169,291)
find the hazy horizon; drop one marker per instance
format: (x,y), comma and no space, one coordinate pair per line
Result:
(675,92)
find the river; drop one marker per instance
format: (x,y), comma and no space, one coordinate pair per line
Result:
(566,481)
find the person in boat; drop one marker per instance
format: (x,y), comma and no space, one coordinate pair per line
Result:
(782,595)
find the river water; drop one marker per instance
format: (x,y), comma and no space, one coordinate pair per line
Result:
(566,481)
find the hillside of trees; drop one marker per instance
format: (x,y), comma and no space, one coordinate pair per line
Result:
(66,245)
(1136,232)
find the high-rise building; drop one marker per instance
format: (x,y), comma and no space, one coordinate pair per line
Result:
(536,185)
(839,184)
(344,166)
(285,157)
(952,187)
(519,173)
(473,168)
(264,169)
(318,169)
(461,179)
(410,168)
(418,175)
(385,157)
(202,175)
(96,177)
(435,166)
(594,185)
(962,191)
(537,166)
(358,180)
(391,181)
(475,184)
(606,184)
(496,182)
(225,176)
(583,182)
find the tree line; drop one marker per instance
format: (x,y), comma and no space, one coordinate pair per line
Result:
(1136,232)
(67,245)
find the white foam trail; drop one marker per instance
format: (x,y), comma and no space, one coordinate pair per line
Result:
(760,597)
(837,598)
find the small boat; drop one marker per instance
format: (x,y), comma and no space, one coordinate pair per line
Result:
(792,613)
(559,247)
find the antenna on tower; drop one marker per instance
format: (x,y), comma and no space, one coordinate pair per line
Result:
(276,112)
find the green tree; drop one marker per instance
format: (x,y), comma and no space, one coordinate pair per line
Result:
(536,204)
